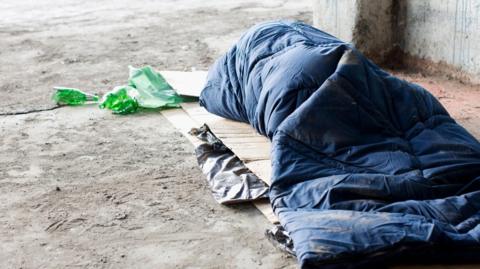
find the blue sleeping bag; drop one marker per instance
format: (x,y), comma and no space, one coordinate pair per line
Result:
(367,168)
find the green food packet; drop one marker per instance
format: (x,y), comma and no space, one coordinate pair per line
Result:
(72,96)
(121,100)
(153,89)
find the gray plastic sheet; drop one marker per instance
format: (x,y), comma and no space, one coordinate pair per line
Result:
(229,179)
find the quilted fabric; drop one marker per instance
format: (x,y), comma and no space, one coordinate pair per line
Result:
(367,168)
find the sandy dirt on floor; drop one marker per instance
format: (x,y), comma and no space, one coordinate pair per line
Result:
(82,188)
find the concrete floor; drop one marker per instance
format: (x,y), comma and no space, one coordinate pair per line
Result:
(82,188)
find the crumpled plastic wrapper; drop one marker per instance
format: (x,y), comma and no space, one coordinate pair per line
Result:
(229,179)
(281,239)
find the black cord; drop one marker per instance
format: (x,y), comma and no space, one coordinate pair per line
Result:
(30,111)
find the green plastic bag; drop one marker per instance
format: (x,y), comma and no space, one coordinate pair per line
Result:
(153,89)
(146,89)
(121,100)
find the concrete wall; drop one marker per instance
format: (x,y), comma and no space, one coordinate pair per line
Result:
(366,23)
(336,17)
(445,32)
